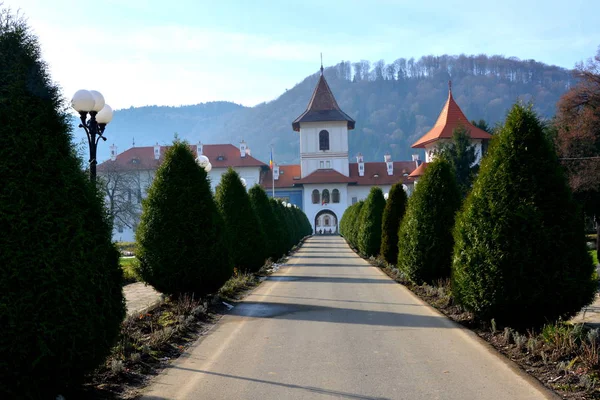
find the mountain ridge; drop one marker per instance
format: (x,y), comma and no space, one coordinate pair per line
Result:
(392,104)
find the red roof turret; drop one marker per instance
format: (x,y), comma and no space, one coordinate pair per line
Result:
(450,118)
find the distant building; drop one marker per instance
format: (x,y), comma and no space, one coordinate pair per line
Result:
(129,174)
(323,185)
(449,119)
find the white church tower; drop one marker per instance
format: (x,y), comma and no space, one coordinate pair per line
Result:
(324,164)
(323,131)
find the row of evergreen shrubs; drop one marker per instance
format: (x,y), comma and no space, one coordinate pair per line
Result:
(514,250)
(190,241)
(61,298)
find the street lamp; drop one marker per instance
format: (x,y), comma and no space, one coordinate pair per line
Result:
(92,102)
(204,163)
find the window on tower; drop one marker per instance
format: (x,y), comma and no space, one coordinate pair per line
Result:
(335,195)
(316,197)
(325,196)
(323,140)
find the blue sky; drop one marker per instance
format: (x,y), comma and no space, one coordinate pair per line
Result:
(185,52)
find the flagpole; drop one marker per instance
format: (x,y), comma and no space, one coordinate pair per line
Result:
(273,173)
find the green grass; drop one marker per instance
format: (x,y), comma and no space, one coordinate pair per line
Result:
(237,283)
(594,256)
(128,267)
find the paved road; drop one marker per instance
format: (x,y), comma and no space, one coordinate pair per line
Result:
(329,325)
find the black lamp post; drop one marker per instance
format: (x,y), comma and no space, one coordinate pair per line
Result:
(92,102)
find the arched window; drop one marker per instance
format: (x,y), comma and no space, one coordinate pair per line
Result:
(316,197)
(325,196)
(323,140)
(335,195)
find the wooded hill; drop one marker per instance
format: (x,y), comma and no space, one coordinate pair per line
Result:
(393,105)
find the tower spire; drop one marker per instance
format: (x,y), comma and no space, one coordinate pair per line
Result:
(321,64)
(450,87)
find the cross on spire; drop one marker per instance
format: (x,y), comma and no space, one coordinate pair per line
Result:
(450,86)
(321,64)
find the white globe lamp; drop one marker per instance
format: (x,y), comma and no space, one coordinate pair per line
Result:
(202,161)
(83,101)
(105,115)
(98,100)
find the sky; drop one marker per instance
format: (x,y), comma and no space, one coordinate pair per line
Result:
(138,52)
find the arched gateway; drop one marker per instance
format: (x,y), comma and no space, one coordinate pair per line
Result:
(326,223)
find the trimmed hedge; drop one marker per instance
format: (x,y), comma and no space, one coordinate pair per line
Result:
(266,217)
(369,231)
(425,237)
(349,223)
(61,300)
(520,254)
(392,217)
(246,235)
(181,239)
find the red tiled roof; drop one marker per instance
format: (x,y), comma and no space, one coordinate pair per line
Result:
(450,118)
(287,173)
(322,107)
(325,176)
(142,158)
(376,173)
(419,171)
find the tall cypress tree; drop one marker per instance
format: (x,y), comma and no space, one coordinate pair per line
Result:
(392,216)
(369,231)
(246,233)
(279,228)
(182,241)
(264,213)
(61,300)
(425,236)
(520,254)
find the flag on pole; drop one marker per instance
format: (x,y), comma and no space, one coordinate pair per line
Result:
(271,159)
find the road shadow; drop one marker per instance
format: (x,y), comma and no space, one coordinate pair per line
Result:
(329,279)
(309,312)
(325,247)
(335,300)
(349,256)
(311,389)
(329,265)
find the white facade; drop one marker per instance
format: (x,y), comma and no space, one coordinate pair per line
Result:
(250,174)
(431,149)
(311,158)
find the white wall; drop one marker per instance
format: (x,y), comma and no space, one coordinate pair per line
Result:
(310,155)
(431,148)
(362,192)
(250,174)
(311,209)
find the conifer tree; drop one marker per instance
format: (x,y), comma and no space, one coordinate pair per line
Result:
(245,232)
(350,224)
(281,234)
(61,300)
(182,241)
(393,213)
(369,231)
(520,255)
(425,236)
(267,219)
(460,153)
